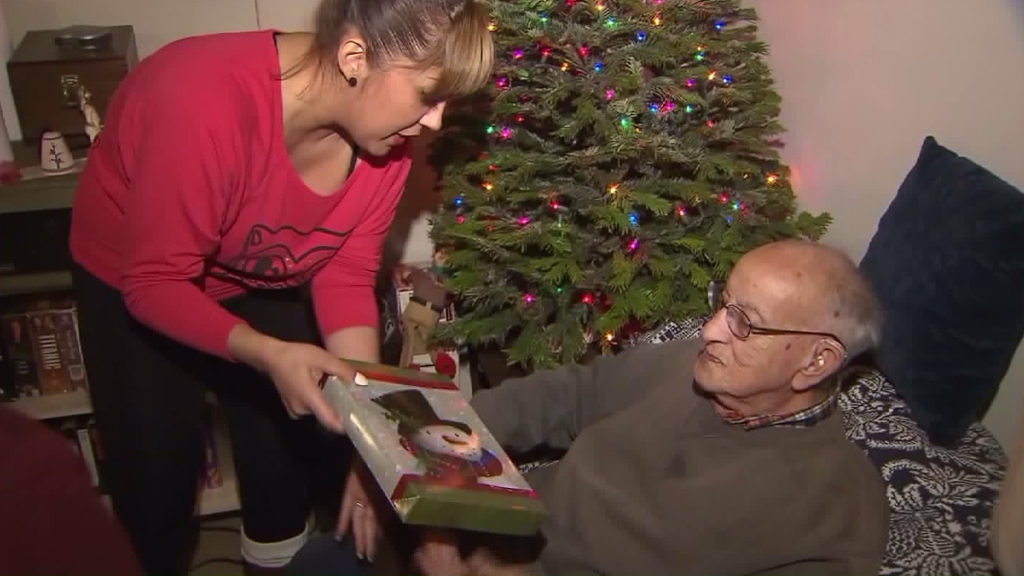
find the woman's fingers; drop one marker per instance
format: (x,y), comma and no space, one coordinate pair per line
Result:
(371,533)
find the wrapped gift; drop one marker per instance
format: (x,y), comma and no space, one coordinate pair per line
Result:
(431,454)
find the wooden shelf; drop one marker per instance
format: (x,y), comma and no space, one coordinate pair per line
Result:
(45,193)
(225,498)
(57,406)
(18,284)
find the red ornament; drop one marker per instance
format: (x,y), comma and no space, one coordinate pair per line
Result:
(445,364)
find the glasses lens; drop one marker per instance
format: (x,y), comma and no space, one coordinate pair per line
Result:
(738,323)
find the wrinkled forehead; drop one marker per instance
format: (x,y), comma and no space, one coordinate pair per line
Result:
(768,289)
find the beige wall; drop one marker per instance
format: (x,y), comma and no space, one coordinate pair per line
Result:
(863,82)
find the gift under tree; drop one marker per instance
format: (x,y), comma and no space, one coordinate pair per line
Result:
(625,156)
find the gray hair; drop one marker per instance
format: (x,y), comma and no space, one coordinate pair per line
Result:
(856,313)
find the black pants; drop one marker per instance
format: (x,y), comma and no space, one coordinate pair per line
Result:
(148,394)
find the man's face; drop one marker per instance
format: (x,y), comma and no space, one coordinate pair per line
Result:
(740,373)
(449,441)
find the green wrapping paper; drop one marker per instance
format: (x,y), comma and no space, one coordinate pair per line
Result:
(431,454)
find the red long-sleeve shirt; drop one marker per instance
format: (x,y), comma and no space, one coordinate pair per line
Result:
(189,197)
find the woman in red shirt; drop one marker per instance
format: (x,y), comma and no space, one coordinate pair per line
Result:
(237,200)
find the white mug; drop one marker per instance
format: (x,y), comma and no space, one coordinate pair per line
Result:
(54,155)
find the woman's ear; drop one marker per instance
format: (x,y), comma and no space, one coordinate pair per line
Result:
(352,60)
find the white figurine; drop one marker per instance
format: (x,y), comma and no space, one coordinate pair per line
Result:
(93,122)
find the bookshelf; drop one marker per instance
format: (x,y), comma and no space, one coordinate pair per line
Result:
(33,193)
(57,406)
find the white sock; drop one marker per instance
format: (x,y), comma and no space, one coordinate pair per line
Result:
(272,554)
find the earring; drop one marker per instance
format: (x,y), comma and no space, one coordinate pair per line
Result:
(352,81)
(821,360)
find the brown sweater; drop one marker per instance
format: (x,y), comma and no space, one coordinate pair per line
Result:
(656,483)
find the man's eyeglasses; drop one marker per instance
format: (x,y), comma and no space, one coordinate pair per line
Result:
(741,326)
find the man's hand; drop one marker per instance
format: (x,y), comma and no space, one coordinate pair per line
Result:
(438,555)
(295,369)
(357,511)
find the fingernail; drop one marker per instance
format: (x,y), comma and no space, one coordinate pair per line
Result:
(361,380)
(359,555)
(338,537)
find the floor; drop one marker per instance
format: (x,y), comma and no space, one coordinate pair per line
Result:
(218,553)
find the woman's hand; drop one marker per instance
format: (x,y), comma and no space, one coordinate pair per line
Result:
(295,368)
(357,510)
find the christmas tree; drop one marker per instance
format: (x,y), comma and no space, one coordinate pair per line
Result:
(625,157)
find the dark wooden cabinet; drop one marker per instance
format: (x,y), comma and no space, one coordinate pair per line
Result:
(44,79)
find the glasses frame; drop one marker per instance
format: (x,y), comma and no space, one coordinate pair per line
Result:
(716,303)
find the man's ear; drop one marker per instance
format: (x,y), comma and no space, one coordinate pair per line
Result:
(825,359)
(352,58)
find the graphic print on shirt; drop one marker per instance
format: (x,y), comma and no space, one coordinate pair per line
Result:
(280,257)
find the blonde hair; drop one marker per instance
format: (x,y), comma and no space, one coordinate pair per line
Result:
(451,35)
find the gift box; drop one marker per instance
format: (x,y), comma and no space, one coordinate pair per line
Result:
(431,454)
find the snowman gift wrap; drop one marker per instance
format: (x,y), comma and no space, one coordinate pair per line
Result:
(430,453)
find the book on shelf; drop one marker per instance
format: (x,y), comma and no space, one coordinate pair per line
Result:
(213,476)
(430,453)
(83,438)
(40,349)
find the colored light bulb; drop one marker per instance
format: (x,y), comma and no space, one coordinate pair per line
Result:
(460,219)
(517,53)
(523,220)
(634,218)
(609,94)
(641,36)
(458,200)
(691,83)
(634,244)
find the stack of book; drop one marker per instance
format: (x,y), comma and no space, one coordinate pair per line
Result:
(40,352)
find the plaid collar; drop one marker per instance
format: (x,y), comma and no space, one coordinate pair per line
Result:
(800,419)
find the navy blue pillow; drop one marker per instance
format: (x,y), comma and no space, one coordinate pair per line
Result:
(947,263)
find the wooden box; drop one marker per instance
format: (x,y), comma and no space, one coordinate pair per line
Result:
(45,79)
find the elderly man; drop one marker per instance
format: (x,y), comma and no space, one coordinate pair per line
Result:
(724,455)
